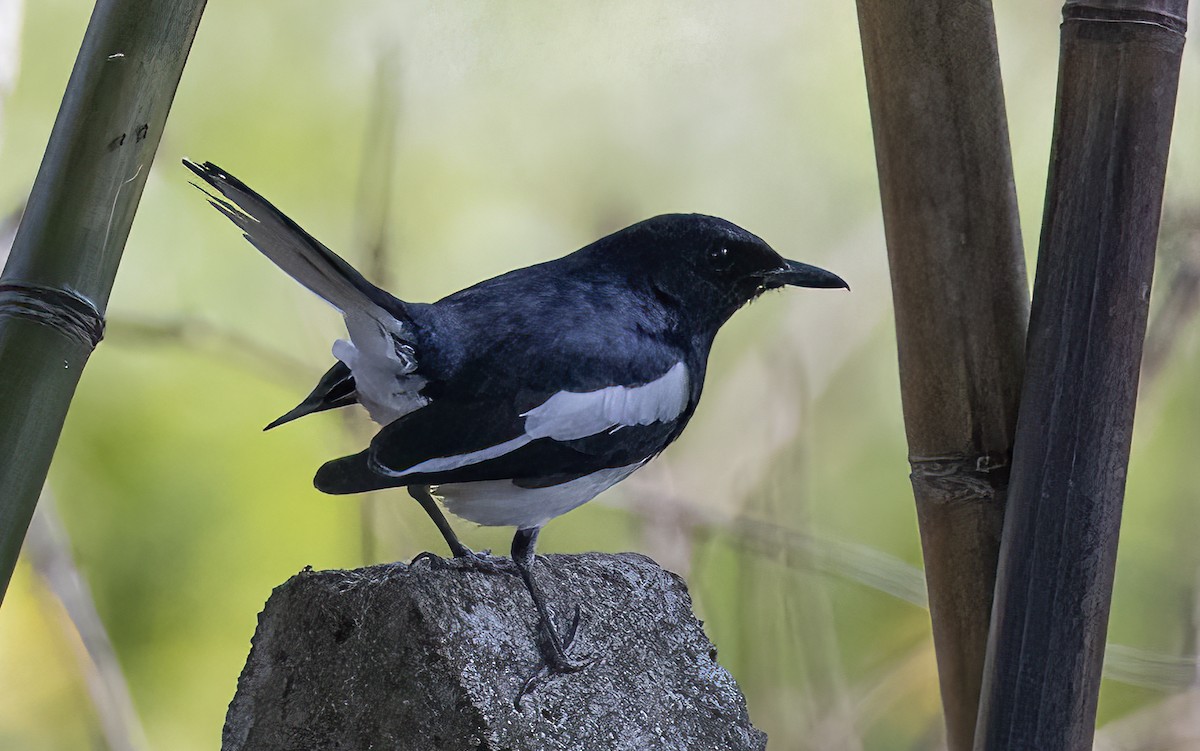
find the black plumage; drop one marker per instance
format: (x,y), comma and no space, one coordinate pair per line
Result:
(525,395)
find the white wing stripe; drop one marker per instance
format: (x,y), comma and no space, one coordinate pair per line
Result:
(444,463)
(569,415)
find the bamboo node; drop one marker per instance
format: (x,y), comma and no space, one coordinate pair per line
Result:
(959,478)
(1108,12)
(62,309)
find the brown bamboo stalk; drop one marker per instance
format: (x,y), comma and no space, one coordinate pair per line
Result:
(1118,79)
(961,303)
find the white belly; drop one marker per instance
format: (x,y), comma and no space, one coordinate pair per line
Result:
(500,503)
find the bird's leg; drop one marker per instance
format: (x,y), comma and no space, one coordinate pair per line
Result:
(425,498)
(422,495)
(555,652)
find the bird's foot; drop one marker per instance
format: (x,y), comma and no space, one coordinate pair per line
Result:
(435,561)
(554,656)
(465,559)
(556,653)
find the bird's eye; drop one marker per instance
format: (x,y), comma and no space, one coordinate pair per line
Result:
(720,259)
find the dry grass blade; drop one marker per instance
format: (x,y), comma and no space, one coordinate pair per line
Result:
(1179,301)
(372,224)
(49,550)
(8,232)
(810,551)
(11,12)
(1170,725)
(197,334)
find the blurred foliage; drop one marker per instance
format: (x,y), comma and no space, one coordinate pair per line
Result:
(526,130)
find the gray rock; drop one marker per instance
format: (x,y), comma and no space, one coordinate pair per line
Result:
(427,657)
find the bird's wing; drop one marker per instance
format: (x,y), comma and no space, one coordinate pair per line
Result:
(567,435)
(380,352)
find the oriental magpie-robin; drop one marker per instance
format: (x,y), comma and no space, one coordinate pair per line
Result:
(524,396)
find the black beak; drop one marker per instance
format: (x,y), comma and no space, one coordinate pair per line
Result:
(798,274)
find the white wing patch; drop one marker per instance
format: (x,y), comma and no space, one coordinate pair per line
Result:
(381,361)
(569,415)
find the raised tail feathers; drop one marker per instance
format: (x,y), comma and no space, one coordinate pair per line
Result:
(381,350)
(292,249)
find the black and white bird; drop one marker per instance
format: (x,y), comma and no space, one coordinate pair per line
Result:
(524,396)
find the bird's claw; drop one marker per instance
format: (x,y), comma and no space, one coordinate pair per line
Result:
(558,660)
(487,563)
(554,659)
(435,561)
(464,558)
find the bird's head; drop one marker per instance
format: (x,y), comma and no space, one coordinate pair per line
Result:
(710,266)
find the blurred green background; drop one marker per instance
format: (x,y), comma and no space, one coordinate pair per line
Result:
(525,130)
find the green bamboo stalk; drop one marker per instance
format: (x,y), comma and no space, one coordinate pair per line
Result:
(1117,84)
(55,287)
(961,301)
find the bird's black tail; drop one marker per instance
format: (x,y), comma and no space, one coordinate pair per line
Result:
(295,251)
(381,350)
